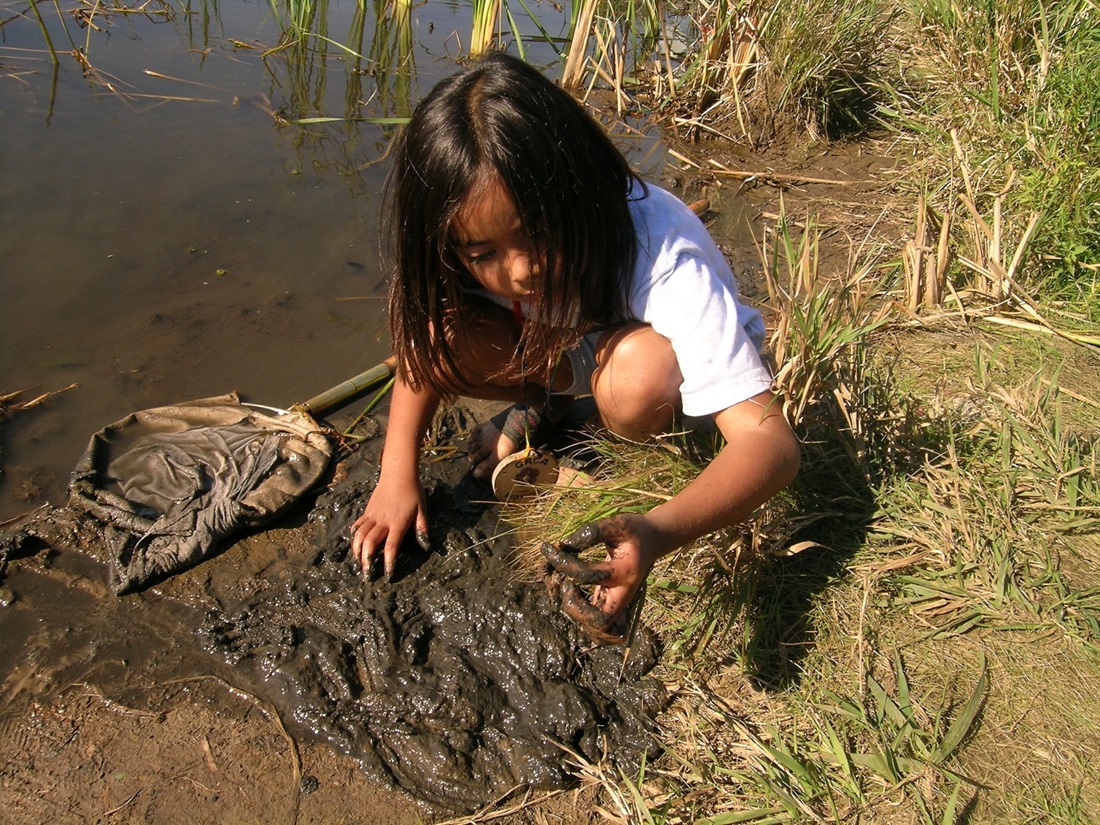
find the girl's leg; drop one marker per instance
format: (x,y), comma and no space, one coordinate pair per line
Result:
(636,383)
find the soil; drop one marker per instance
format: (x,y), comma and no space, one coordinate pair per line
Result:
(270,684)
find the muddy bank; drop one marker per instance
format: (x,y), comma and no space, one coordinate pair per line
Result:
(454,683)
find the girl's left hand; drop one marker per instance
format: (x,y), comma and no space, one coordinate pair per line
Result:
(632,549)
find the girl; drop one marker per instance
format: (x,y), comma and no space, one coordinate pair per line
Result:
(530,259)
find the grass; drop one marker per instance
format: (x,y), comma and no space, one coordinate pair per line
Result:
(910,632)
(1002,101)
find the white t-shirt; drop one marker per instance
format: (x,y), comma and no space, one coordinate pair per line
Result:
(683,287)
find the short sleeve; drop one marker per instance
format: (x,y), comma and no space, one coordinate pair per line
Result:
(685,290)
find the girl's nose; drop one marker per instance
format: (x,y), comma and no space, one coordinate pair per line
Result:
(520,266)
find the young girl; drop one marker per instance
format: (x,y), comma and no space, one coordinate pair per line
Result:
(530,259)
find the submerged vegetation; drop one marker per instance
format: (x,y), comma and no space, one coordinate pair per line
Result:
(911,632)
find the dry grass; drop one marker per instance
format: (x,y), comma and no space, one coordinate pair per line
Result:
(910,632)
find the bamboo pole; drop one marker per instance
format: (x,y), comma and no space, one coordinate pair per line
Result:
(347,390)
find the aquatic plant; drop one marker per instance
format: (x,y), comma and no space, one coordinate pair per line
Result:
(486,16)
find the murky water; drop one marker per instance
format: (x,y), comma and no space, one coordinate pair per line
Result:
(167,235)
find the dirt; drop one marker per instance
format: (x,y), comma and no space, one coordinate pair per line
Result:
(274,683)
(271,684)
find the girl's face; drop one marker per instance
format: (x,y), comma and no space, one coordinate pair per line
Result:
(492,243)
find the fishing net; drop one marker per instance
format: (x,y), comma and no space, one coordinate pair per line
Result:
(168,484)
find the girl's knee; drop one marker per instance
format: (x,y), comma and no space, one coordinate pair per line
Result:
(637,381)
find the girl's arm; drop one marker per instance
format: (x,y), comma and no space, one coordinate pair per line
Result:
(760,458)
(398,499)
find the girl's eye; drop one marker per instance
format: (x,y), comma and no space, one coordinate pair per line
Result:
(479,259)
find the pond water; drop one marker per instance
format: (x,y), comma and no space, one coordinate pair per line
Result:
(168,235)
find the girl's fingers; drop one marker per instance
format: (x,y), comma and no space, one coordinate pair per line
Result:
(367,537)
(359,530)
(587,536)
(568,563)
(598,625)
(422,536)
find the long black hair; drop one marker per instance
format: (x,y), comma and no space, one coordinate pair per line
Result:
(502,118)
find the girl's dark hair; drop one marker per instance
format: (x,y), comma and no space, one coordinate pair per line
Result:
(570,184)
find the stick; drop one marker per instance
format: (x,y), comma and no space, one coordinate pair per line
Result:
(348,389)
(118,808)
(736,173)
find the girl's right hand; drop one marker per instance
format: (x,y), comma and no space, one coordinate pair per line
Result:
(393,507)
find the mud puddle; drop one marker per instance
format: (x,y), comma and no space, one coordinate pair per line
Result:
(455,683)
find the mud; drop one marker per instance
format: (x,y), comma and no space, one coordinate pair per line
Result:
(455,682)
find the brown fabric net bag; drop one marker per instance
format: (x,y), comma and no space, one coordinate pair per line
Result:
(169,483)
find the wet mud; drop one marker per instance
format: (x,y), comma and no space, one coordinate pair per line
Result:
(455,682)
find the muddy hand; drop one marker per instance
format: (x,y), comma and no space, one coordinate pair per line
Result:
(565,570)
(392,510)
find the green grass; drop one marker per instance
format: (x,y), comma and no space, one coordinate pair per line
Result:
(1013,86)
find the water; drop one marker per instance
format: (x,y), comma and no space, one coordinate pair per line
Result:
(120,209)
(167,235)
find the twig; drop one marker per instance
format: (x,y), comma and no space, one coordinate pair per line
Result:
(266,708)
(695,122)
(486,814)
(151,73)
(1084,340)
(10,397)
(169,98)
(745,175)
(115,810)
(111,704)
(683,158)
(370,406)
(208,755)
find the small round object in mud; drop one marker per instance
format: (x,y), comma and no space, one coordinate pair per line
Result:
(520,474)
(309,784)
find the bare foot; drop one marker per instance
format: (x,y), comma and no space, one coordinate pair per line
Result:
(488,447)
(508,432)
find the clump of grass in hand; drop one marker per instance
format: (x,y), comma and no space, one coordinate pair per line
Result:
(628,478)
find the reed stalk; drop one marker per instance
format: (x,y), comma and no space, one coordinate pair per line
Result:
(45,32)
(583,17)
(486,25)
